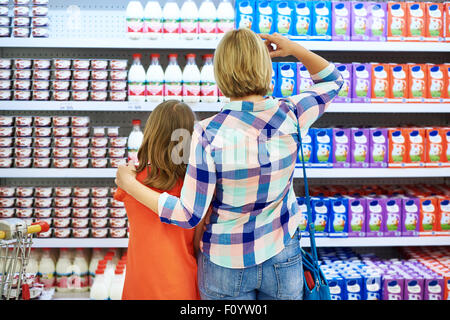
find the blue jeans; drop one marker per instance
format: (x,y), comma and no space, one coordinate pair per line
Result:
(279,278)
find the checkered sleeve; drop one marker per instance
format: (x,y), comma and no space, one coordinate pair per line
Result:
(198,188)
(312,103)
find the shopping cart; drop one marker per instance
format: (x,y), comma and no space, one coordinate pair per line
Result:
(15,247)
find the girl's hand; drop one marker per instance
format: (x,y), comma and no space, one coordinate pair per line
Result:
(126,175)
(283,46)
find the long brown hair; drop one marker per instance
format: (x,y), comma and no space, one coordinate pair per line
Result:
(156,149)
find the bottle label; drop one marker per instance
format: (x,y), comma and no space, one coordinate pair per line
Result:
(173,89)
(133,155)
(208,89)
(80,281)
(135,25)
(207,26)
(136,88)
(47,279)
(171,26)
(189,26)
(155,89)
(152,25)
(191,89)
(225,25)
(62,280)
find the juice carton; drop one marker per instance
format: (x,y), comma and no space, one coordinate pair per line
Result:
(393,286)
(436,83)
(397,21)
(380,82)
(377,21)
(397,147)
(428,216)
(341,148)
(417,83)
(378,146)
(415,153)
(444,216)
(345,94)
(410,217)
(360,21)
(303,20)
(361,84)
(273,80)
(416,24)
(336,284)
(399,85)
(304,81)
(433,287)
(287,79)
(413,289)
(321,216)
(434,30)
(245,14)
(357,217)
(359,148)
(342,20)
(376,217)
(447,21)
(265,15)
(322,155)
(354,286)
(338,226)
(394,217)
(372,285)
(308,150)
(436,145)
(285,12)
(321,28)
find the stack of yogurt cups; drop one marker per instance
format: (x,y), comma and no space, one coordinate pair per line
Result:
(29,19)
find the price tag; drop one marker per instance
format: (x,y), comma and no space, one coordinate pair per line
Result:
(66,106)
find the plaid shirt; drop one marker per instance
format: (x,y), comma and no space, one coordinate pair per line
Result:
(242,161)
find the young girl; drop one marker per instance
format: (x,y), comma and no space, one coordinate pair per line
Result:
(244,157)
(161,261)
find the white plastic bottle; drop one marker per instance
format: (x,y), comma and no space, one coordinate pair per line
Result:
(222,98)
(225,18)
(63,271)
(32,267)
(191,80)
(116,288)
(172,79)
(136,80)
(80,272)
(189,20)
(134,141)
(171,21)
(99,289)
(155,80)
(153,20)
(207,20)
(47,269)
(96,257)
(208,86)
(135,23)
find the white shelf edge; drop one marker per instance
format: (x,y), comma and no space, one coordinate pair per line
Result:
(57,173)
(305,242)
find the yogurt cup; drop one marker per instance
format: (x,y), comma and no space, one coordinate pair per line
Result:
(5,63)
(22,152)
(80,132)
(62,212)
(24,131)
(80,95)
(60,121)
(118,64)
(99,222)
(117,212)
(81,212)
(61,222)
(23,121)
(43,202)
(41,85)
(80,162)
(7,191)
(112,132)
(20,2)
(4,23)
(6,121)
(118,95)
(6,162)
(80,121)
(83,64)
(5,84)
(116,204)
(80,202)
(40,32)
(39,11)
(42,152)
(99,192)
(81,142)
(5,32)
(43,212)
(40,21)
(63,191)
(24,202)
(41,95)
(116,162)
(98,131)
(6,152)
(62,202)
(4,10)
(22,95)
(41,162)
(60,85)
(24,192)
(99,85)
(62,232)
(62,74)
(81,192)
(41,74)
(80,85)
(24,212)
(62,142)
(61,131)
(118,74)
(40,2)
(99,212)
(23,63)
(81,74)
(61,95)
(6,131)
(99,232)
(23,74)
(7,212)
(118,85)
(61,152)
(116,152)
(62,63)
(21,11)
(81,232)
(6,142)
(7,202)
(5,74)
(99,95)
(42,63)
(23,142)
(97,152)
(22,162)
(61,162)
(99,202)
(47,234)
(118,232)
(80,152)
(99,162)
(80,222)
(117,222)
(99,142)
(99,64)
(21,21)
(99,75)
(42,121)
(21,84)
(43,192)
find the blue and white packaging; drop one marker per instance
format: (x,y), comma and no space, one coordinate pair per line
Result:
(323,146)
(304,81)
(338,226)
(265,21)
(273,81)
(321,29)
(354,286)
(302,209)
(372,285)
(245,14)
(308,150)
(303,20)
(337,286)
(287,79)
(321,216)
(284,11)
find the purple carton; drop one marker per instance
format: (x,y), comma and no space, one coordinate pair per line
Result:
(341,148)
(393,221)
(359,148)
(393,285)
(433,287)
(411,216)
(368,21)
(361,84)
(375,217)
(377,21)
(345,94)
(357,217)
(378,147)
(413,287)
(341,22)
(304,81)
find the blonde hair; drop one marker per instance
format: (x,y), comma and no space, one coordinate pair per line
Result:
(242,64)
(156,149)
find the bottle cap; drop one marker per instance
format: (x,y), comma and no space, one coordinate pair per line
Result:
(64,249)
(173,55)
(108,258)
(102,262)
(135,122)
(100,271)
(137,56)
(155,55)
(190,55)
(118,271)
(205,56)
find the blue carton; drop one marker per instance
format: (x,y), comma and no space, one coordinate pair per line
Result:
(337,286)
(308,150)
(303,225)
(286,79)
(303,20)
(338,226)
(265,15)
(245,14)
(285,12)
(372,286)
(354,286)
(321,29)
(321,216)
(273,81)
(323,146)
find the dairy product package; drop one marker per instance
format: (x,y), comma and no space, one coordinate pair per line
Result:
(380,82)
(376,217)
(336,285)
(447,81)
(361,84)
(322,157)
(345,94)
(393,287)
(321,29)
(354,286)
(434,29)
(433,287)
(447,21)
(378,146)
(308,150)
(397,21)
(357,217)
(436,144)
(411,216)
(393,220)
(338,226)
(266,16)
(341,148)
(368,21)
(245,14)
(303,20)
(303,225)
(342,21)
(444,216)
(437,76)
(273,80)
(377,21)
(417,83)
(413,287)
(304,81)
(416,21)
(399,85)
(429,215)
(372,285)
(446,134)
(415,152)
(359,147)
(287,79)
(321,216)
(397,147)
(285,17)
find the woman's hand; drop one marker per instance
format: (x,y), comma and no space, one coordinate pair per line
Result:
(283,46)
(126,175)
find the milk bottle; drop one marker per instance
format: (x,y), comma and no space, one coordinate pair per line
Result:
(225,18)
(46,269)
(115,291)
(96,257)
(136,80)
(155,80)
(222,98)
(153,20)
(32,268)
(207,16)
(134,141)
(63,271)
(191,80)
(80,272)
(208,86)
(189,20)
(99,290)
(134,17)
(172,79)
(171,23)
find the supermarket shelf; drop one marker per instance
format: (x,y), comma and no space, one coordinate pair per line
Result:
(321,242)
(214,107)
(212,44)
(311,173)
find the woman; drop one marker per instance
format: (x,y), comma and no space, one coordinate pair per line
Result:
(245,156)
